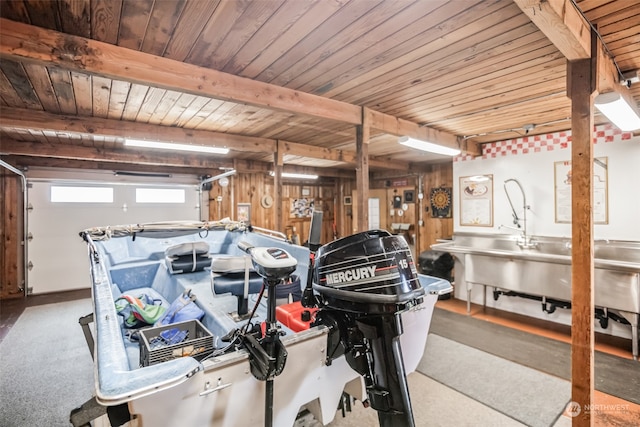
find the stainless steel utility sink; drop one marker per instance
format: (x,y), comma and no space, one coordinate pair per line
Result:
(543,269)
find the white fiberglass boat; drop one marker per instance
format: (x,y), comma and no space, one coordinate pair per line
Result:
(360,328)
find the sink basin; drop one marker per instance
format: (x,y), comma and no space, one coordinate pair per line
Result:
(544,271)
(609,254)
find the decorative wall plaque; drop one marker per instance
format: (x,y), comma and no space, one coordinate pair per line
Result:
(441,202)
(476,200)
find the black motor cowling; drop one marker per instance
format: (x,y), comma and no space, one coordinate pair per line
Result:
(369,271)
(364,283)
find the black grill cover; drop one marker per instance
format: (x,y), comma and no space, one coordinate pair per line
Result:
(369,267)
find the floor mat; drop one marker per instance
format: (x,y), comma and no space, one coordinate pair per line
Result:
(45,366)
(613,375)
(524,394)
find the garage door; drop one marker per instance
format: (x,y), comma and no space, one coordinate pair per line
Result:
(62,209)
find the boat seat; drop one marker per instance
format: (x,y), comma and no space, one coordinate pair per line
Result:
(187,257)
(235,275)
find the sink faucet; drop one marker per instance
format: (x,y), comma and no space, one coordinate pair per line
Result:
(509,227)
(524,241)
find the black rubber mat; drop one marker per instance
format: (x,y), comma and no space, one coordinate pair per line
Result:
(613,375)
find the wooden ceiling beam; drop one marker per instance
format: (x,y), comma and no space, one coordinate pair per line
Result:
(570,33)
(52,162)
(23,42)
(303,150)
(72,156)
(122,156)
(40,120)
(242,166)
(399,127)
(337,155)
(563,25)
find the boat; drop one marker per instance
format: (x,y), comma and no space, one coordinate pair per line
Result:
(256,357)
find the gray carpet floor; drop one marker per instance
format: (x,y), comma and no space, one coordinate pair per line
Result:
(45,366)
(613,375)
(534,398)
(473,373)
(434,405)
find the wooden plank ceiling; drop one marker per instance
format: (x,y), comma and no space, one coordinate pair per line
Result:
(472,70)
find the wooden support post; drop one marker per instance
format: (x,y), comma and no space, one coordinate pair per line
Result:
(362,172)
(277,187)
(11,225)
(338,210)
(581,86)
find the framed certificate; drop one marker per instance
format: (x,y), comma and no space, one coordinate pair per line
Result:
(476,200)
(562,191)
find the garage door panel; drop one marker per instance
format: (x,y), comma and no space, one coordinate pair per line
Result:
(58,254)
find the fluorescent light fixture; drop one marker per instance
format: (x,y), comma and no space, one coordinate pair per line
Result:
(171,146)
(618,111)
(428,146)
(218,177)
(296,175)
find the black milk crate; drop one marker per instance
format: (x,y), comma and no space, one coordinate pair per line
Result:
(198,343)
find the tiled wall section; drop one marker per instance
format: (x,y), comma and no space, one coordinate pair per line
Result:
(548,142)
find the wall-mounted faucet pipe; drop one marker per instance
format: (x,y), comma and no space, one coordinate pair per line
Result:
(516,220)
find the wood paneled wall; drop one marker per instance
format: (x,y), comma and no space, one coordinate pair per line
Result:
(329,196)
(421,237)
(11,251)
(251,188)
(440,175)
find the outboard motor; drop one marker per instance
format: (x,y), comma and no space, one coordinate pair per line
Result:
(363,283)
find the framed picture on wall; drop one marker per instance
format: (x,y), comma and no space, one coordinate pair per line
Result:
(562,194)
(476,200)
(409,196)
(244,212)
(440,199)
(301,208)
